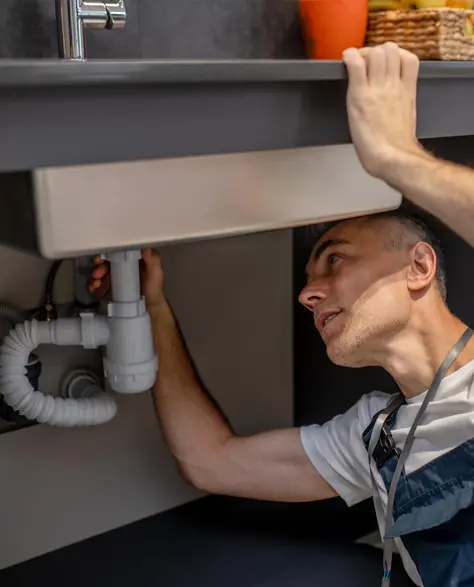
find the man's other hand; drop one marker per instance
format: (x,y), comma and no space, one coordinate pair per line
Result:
(381,104)
(151,275)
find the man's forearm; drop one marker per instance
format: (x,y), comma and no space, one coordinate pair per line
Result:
(192,423)
(444,189)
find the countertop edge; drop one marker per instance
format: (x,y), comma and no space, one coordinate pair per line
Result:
(55,73)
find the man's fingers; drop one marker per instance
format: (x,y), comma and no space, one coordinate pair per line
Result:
(356,67)
(104,288)
(397,63)
(100,287)
(151,257)
(95,284)
(100,279)
(100,271)
(377,66)
(410,67)
(393,60)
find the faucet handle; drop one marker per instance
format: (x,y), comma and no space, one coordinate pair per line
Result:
(116,15)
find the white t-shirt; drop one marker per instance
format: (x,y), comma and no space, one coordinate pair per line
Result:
(337,451)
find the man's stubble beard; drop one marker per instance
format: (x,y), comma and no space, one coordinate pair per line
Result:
(359,340)
(346,349)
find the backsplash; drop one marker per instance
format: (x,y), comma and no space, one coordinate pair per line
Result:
(185,29)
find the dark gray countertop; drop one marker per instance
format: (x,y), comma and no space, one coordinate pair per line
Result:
(217,542)
(45,72)
(55,113)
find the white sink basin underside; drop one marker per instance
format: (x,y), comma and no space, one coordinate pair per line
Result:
(87,209)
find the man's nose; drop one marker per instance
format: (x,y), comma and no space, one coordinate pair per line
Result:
(312,295)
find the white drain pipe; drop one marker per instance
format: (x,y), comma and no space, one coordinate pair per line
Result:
(130,364)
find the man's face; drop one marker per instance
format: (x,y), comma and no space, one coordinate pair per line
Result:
(357,290)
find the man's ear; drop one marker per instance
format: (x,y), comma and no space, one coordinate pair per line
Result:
(422,269)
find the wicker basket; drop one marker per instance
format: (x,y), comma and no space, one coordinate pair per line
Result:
(432,34)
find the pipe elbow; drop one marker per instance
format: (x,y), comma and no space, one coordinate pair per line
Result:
(34,405)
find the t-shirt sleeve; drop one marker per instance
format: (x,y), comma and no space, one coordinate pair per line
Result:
(337,450)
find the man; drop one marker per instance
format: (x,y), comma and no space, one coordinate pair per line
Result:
(376,290)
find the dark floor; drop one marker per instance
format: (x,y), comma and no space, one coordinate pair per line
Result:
(219,542)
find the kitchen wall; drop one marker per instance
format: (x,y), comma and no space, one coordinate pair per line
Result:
(218,29)
(233,298)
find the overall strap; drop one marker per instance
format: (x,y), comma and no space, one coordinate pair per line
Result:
(440,374)
(393,405)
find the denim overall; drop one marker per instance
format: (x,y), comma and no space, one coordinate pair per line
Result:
(432,508)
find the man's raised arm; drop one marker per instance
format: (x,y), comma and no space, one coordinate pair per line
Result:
(381,106)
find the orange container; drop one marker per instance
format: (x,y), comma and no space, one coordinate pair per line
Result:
(330,26)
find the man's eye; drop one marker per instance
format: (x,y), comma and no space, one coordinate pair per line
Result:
(333,259)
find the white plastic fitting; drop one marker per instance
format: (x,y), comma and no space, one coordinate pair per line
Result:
(130,363)
(80,383)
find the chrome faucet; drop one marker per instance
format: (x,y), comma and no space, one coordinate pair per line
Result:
(74,15)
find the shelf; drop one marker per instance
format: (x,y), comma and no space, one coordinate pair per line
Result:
(55,113)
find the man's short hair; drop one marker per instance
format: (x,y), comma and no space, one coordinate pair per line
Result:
(408,223)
